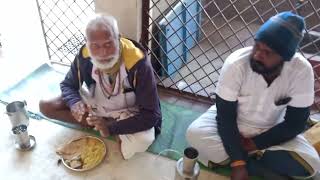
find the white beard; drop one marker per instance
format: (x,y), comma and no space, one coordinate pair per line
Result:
(107,65)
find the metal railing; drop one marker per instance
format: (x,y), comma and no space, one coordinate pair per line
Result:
(187,40)
(61,22)
(217,28)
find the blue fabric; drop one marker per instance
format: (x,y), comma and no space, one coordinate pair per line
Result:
(282,33)
(277,163)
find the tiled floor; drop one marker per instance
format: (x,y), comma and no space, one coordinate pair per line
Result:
(41,162)
(196,103)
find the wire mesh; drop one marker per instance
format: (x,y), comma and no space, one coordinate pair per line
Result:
(62,22)
(190,39)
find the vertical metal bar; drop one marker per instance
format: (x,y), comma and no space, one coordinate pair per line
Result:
(144,23)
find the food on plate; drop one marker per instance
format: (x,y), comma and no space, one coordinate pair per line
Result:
(83,153)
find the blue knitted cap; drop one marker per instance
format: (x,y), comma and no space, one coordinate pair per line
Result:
(282,33)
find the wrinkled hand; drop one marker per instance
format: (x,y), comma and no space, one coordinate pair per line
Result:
(99,123)
(239,173)
(248,144)
(79,111)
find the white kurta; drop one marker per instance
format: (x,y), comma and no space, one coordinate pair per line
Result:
(257,111)
(120,106)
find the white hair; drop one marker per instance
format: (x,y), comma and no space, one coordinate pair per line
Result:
(103,22)
(109,24)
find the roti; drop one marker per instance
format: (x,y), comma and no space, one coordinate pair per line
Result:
(83,154)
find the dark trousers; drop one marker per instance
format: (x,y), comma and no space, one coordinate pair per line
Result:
(276,163)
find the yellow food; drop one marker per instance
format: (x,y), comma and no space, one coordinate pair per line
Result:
(89,151)
(92,153)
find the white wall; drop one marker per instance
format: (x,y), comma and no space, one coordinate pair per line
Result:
(22,39)
(21,30)
(127,12)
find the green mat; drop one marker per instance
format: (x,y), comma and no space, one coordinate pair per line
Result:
(176,120)
(44,83)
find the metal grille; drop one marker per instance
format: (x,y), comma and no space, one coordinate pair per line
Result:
(188,40)
(62,21)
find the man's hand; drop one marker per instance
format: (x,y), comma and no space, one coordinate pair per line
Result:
(100,124)
(248,144)
(239,173)
(79,111)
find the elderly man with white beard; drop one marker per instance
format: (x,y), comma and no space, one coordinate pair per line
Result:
(121,97)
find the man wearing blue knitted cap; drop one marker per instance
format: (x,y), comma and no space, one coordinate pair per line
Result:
(263,98)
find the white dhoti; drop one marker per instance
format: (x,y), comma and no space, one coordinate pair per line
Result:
(203,135)
(135,143)
(132,143)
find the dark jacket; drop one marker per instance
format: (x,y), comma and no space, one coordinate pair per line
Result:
(141,78)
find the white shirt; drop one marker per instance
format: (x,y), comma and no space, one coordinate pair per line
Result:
(120,105)
(256,101)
